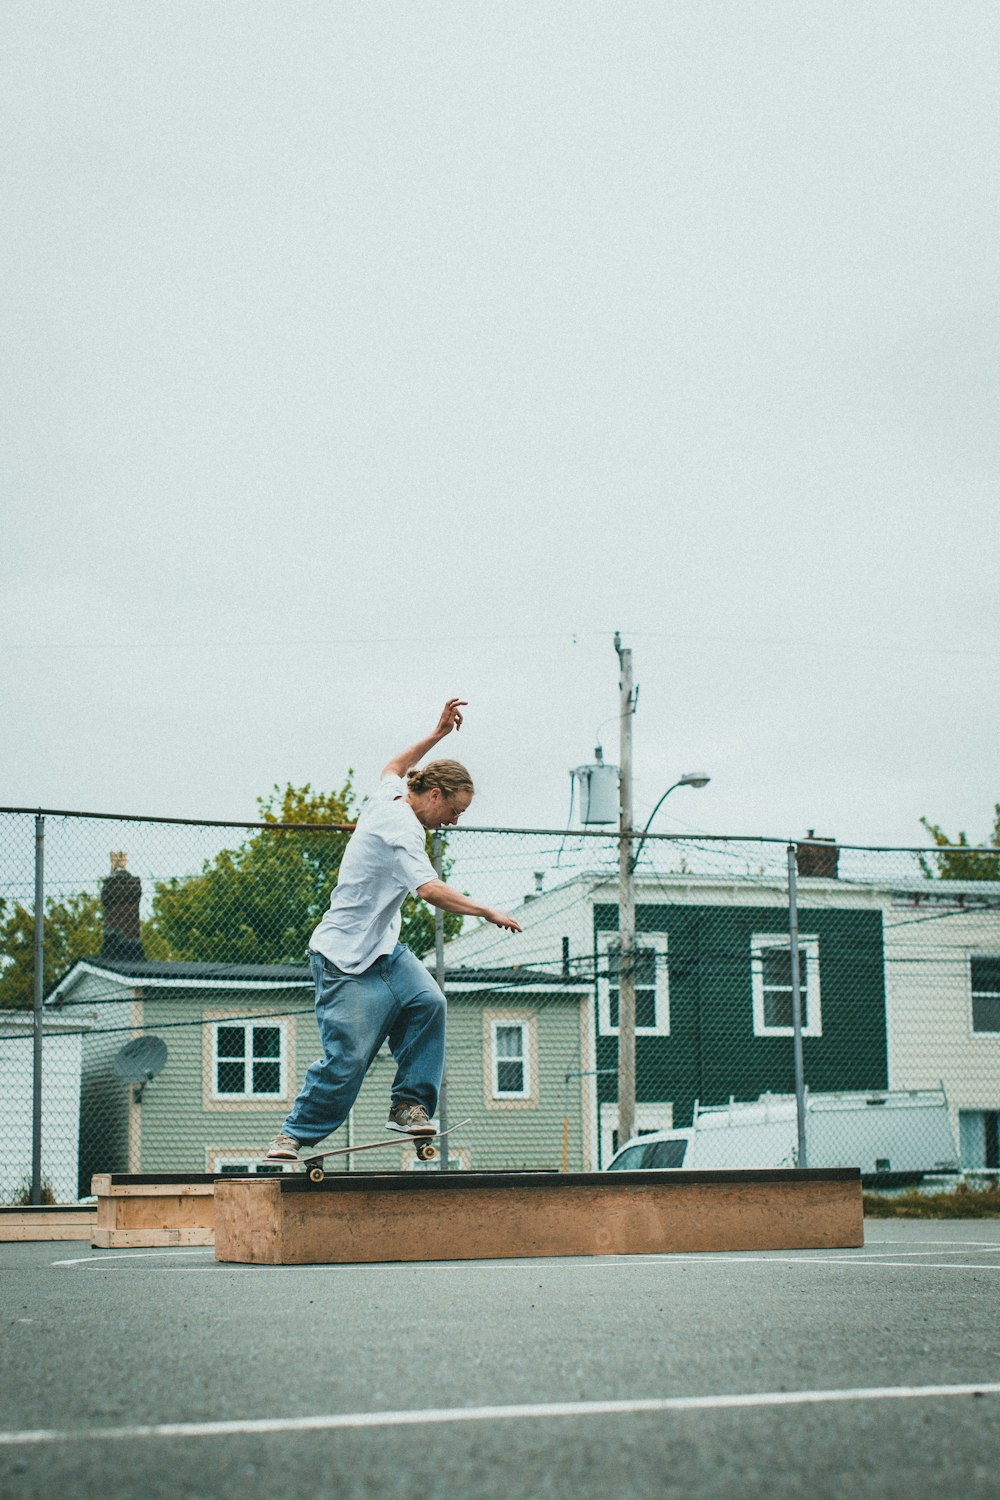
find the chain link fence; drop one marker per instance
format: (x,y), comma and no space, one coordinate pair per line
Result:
(161,1018)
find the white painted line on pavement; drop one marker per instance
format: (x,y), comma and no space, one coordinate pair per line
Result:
(802,1259)
(979,1244)
(103,1260)
(881,1265)
(433,1416)
(875,1261)
(639,1262)
(867,1254)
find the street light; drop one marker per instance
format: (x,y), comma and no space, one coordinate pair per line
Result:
(690,778)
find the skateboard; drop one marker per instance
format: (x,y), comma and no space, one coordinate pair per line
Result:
(425,1146)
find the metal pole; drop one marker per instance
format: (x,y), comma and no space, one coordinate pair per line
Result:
(793,938)
(626,906)
(439,976)
(579,1073)
(36,1048)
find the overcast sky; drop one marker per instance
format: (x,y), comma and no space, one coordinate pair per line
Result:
(359,354)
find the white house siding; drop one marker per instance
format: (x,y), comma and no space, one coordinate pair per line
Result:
(929,1002)
(565,911)
(61,1053)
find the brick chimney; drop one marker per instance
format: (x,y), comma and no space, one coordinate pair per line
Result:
(816,857)
(120,894)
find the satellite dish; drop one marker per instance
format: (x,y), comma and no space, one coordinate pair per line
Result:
(141,1059)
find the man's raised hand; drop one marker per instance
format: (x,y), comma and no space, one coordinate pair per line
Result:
(451,717)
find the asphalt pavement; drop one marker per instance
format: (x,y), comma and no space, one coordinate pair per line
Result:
(871,1372)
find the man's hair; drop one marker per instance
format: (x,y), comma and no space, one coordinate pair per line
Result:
(449,776)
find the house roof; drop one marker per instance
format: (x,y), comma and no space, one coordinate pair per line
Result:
(651,881)
(145,973)
(147,968)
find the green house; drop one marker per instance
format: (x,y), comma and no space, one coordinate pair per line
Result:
(714,1003)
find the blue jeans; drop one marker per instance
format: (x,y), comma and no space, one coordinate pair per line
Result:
(395,998)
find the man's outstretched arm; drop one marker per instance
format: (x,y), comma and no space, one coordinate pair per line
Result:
(451,718)
(448,899)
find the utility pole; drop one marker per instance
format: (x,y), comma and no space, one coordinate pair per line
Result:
(626,904)
(439,976)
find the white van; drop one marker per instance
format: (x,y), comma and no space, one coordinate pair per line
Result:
(893,1136)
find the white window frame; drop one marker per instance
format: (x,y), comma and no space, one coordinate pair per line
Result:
(974,1031)
(661,986)
(524,1028)
(252,1167)
(247,1027)
(809,983)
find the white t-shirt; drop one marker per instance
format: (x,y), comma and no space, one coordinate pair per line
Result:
(385,858)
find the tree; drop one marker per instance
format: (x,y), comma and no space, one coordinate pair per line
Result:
(956,862)
(259,903)
(73,929)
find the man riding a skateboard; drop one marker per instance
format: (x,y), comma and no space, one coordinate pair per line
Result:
(369,986)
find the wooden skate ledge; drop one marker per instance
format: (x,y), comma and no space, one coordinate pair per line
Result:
(142,1209)
(426,1216)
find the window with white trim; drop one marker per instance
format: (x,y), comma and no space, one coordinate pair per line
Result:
(979,1139)
(652,1008)
(511,1061)
(771,970)
(237,1167)
(984,978)
(248,1060)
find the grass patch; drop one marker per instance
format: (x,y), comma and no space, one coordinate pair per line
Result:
(964,1202)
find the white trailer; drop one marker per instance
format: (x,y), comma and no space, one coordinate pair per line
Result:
(891,1135)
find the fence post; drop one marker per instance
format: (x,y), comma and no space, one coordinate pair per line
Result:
(439,976)
(39,992)
(793,938)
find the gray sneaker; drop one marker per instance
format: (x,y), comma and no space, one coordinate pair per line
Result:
(282,1148)
(409,1118)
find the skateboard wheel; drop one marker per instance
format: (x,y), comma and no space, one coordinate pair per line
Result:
(316,1174)
(427,1153)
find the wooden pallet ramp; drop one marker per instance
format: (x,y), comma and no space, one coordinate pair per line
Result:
(60,1221)
(355,1217)
(135,1209)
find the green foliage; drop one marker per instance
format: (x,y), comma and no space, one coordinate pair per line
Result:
(956,862)
(260,902)
(73,929)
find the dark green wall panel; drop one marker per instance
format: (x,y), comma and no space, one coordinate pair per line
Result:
(712,1052)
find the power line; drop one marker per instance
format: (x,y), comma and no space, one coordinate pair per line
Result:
(569,637)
